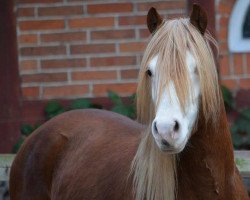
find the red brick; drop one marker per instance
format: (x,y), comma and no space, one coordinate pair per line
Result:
(224,7)
(222,34)
(238,70)
(42,51)
(63,37)
(248,63)
(245,83)
(92,22)
(224,66)
(238,64)
(30,92)
(66,90)
(94,75)
(110,8)
(228,1)
(248,59)
(132,20)
(63,63)
(41,25)
(60,10)
(129,74)
(113,61)
(144,33)
(132,47)
(224,21)
(44,77)
(162,5)
(39,1)
(126,88)
(28,39)
(230,83)
(28,65)
(223,46)
(92,48)
(112,34)
(25,12)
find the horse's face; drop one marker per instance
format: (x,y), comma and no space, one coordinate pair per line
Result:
(172,127)
(181,73)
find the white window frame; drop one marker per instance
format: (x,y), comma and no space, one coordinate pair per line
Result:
(235,37)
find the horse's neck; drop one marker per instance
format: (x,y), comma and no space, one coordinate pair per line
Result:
(207,161)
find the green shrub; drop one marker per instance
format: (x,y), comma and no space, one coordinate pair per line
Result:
(240,128)
(54,108)
(120,107)
(26,130)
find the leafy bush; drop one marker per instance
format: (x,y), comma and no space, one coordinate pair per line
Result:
(54,108)
(120,107)
(26,130)
(228,98)
(240,128)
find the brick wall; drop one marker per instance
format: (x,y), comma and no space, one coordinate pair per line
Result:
(82,48)
(234,67)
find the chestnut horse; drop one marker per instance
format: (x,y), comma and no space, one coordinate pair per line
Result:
(182,152)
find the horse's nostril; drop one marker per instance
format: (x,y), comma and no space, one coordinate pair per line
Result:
(176,126)
(165,143)
(155,127)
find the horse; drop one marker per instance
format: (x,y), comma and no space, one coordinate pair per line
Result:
(179,147)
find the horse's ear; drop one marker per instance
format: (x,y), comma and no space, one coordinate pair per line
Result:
(198,18)
(154,20)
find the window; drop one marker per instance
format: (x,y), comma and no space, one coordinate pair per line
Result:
(246,25)
(239,27)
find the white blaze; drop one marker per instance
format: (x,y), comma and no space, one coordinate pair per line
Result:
(171,124)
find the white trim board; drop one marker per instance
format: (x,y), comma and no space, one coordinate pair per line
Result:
(235,37)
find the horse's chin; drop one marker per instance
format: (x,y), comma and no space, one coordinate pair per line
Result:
(171,150)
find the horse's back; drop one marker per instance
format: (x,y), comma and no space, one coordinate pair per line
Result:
(82,154)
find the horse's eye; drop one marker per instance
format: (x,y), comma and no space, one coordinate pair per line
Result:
(149,73)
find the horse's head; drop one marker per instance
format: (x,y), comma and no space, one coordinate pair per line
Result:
(178,79)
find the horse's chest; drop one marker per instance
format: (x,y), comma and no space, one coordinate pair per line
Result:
(197,184)
(194,195)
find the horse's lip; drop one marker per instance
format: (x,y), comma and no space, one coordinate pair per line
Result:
(172,150)
(169,150)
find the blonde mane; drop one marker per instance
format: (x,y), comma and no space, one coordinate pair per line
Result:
(154,171)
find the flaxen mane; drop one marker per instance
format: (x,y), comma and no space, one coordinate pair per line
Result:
(154,171)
